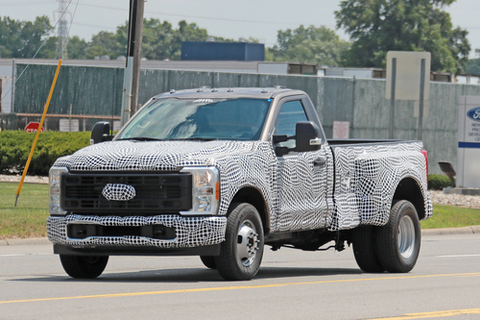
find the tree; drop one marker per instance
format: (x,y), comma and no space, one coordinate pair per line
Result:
(103,43)
(161,41)
(461,48)
(76,48)
(186,32)
(379,26)
(473,67)
(314,45)
(22,39)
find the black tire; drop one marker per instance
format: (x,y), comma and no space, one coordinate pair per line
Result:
(209,262)
(241,252)
(364,249)
(398,242)
(83,267)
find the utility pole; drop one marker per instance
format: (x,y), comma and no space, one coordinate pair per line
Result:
(1,94)
(134,54)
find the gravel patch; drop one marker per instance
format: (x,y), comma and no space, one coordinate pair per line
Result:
(457,200)
(28,179)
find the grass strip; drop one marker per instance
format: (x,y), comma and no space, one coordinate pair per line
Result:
(28,218)
(451,217)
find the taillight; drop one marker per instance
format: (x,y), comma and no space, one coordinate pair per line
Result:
(425,153)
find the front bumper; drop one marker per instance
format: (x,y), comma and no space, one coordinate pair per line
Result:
(190,232)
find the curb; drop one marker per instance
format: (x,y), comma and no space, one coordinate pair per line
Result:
(28,241)
(447,231)
(425,232)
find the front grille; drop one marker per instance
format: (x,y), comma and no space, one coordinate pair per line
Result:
(155,193)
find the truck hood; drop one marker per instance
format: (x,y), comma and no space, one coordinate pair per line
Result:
(151,155)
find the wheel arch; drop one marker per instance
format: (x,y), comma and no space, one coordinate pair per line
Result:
(255,197)
(409,189)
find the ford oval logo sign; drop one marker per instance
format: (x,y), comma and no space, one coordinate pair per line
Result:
(119,192)
(474,114)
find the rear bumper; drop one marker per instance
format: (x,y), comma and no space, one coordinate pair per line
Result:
(190,232)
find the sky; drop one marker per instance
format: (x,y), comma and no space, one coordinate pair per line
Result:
(260,19)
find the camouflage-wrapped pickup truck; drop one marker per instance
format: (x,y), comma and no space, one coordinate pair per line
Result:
(219,173)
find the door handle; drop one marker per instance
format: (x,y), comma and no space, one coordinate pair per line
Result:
(321,161)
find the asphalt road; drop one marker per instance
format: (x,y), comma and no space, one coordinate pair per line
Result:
(291,284)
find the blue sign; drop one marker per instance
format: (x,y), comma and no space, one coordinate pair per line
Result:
(474,114)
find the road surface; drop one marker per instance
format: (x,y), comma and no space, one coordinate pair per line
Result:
(291,284)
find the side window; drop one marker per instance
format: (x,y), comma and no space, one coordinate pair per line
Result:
(290,113)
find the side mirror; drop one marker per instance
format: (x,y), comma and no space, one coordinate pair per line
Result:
(281,151)
(306,136)
(100,132)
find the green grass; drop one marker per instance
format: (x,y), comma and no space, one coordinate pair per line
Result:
(28,219)
(451,217)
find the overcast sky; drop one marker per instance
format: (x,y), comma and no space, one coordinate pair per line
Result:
(259,19)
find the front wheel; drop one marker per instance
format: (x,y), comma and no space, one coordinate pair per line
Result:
(241,252)
(83,267)
(398,242)
(208,261)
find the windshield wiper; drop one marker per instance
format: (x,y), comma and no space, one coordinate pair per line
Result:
(141,139)
(194,139)
(155,139)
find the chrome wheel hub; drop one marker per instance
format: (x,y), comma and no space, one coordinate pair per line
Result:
(406,237)
(247,243)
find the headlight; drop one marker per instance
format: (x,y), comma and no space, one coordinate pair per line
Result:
(55,177)
(205,190)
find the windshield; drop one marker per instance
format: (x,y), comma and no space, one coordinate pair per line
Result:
(199,119)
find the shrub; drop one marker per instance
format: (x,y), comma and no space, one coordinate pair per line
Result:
(438,181)
(15,147)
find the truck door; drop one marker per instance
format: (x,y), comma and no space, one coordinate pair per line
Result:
(301,177)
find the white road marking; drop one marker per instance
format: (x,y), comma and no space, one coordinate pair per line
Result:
(460,256)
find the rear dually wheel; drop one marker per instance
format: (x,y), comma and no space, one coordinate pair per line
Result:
(398,242)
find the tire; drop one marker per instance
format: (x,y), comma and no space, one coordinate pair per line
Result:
(209,262)
(398,242)
(364,249)
(83,267)
(241,252)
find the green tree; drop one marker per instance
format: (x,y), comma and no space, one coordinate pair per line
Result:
(461,48)
(378,26)
(76,48)
(161,41)
(314,45)
(48,50)
(103,43)
(186,32)
(157,37)
(22,39)
(473,67)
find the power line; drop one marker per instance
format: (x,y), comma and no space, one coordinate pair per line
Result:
(94,26)
(202,17)
(21,4)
